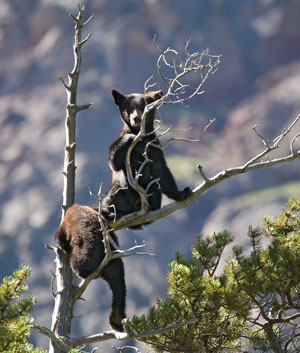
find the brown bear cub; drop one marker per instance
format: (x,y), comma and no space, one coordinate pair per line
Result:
(81,237)
(121,199)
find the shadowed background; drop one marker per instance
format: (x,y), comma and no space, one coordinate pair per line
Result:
(257,83)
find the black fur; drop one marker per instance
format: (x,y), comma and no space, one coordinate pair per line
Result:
(81,237)
(121,199)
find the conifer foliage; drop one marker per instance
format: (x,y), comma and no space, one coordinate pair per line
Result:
(253,305)
(15,318)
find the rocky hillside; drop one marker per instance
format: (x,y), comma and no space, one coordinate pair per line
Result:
(257,83)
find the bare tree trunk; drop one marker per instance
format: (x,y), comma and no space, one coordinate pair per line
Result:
(65,280)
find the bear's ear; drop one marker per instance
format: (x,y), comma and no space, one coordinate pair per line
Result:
(155,95)
(118,97)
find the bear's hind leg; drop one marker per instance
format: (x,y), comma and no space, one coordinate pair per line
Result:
(114,275)
(61,239)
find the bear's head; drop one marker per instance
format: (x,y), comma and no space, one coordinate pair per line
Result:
(132,107)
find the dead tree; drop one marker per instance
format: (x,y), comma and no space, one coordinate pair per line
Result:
(67,292)
(65,281)
(175,73)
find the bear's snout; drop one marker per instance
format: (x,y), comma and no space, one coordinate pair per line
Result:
(135,118)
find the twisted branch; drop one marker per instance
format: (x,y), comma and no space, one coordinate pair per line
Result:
(68,343)
(204,65)
(254,163)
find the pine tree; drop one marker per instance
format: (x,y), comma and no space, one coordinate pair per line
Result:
(15,309)
(252,306)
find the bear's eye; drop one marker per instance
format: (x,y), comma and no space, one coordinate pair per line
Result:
(134,109)
(140,107)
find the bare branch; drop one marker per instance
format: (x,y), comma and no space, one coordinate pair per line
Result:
(292,143)
(84,283)
(260,136)
(286,131)
(202,63)
(50,247)
(193,63)
(107,240)
(137,218)
(133,180)
(88,20)
(131,251)
(122,349)
(65,85)
(200,169)
(99,337)
(129,333)
(147,85)
(83,107)
(185,139)
(268,148)
(59,341)
(83,41)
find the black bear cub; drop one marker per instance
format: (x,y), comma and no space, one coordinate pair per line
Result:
(81,237)
(121,199)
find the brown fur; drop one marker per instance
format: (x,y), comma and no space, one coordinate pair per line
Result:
(81,237)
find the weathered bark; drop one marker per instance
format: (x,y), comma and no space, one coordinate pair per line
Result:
(65,281)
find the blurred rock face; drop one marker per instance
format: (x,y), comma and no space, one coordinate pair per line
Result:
(257,82)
